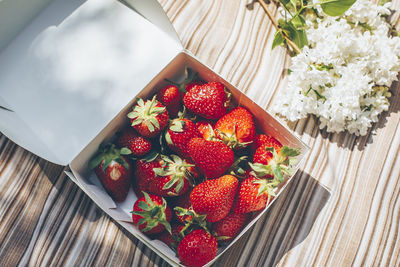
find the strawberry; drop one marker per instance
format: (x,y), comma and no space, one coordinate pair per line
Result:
(228,228)
(144,173)
(149,118)
(133,144)
(183,202)
(197,248)
(236,128)
(214,198)
(113,171)
(261,148)
(264,140)
(151,214)
(191,85)
(172,239)
(174,176)
(212,157)
(208,100)
(179,134)
(206,129)
(171,98)
(269,163)
(253,195)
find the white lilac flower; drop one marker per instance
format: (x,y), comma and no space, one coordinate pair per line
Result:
(344,74)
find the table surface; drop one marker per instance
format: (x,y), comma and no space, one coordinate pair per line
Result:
(342,208)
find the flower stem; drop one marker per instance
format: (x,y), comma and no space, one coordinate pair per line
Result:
(275,23)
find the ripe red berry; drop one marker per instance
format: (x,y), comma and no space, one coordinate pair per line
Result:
(136,144)
(214,197)
(197,248)
(208,100)
(213,158)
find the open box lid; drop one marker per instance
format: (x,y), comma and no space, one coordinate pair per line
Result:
(75,66)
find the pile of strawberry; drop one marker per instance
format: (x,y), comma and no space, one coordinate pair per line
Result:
(197,165)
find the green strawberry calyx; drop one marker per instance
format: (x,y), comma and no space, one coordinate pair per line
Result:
(231,140)
(280,166)
(193,220)
(146,112)
(152,214)
(176,168)
(107,153)
(237,169)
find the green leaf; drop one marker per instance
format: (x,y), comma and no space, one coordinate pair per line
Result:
(336,7)
(286,4)
(169,184)
(294,4)
(179,186)
(319,96)
(278,174)
(125,151)
(177,126)
(95,161)
(168,138)
(151,156)
(143,205)
(140,213)
(107,162)
(141,221)
(298,22)
(278,39)
(136,122)
(159,171)
(290,152)
(298,36)
(140,102)
(149,126)
(148,199)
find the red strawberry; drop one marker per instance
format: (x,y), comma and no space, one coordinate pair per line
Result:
(149,118)
(262,154)
(197,248)
(270,163)
(212,157)
(227,228)
(133,144)
(171,98)
(191,85)
(206,129)
(179,134)
(208,100)
(151,214)
(264,140)
(183,202)
(253,195)
(236,129)
(174,176)
(172,239)
(144,173)
(113,171)
(214,198)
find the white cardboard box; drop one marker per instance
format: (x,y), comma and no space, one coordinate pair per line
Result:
(74,73)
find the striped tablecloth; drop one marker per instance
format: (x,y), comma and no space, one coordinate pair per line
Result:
(342,209)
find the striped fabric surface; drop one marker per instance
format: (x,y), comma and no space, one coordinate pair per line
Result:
(342,209)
